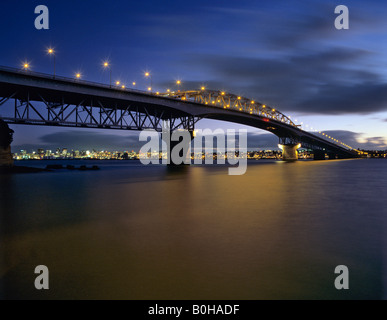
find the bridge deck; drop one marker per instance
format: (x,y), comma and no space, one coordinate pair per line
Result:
(59,93)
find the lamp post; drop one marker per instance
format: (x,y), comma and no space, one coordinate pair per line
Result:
(107,65)
(51,52)
(26,66)
(178,82)
(148,74)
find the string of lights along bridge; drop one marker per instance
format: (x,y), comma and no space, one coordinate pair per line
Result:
(216,98)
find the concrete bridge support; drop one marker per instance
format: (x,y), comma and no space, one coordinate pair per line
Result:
(178,151)
(6,159)
(289,152)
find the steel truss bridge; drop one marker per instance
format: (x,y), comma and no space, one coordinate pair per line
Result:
(40,99)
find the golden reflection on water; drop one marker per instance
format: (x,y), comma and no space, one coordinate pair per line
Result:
(194,233)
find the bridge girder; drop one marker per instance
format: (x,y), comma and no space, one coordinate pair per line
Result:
(42,100)
(92,113)
(230,101)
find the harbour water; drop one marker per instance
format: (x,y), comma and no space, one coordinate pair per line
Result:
(130,231)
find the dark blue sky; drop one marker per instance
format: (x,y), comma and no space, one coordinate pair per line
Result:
(283,53)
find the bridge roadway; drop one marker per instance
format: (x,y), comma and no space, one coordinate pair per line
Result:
(78,103)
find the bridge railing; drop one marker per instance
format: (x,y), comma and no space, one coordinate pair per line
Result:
(72,80)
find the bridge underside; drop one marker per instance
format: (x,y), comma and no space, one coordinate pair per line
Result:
(45,108)
(288,138)
(41,100)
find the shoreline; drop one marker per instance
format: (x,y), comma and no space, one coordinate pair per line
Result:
(21,169)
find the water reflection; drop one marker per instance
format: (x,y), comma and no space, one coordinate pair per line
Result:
(194,232)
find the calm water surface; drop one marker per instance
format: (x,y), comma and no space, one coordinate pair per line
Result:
(130,231)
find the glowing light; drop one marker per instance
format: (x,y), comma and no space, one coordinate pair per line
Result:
(147,74)
(178,81)
(168,90)
(252,101)
(149,89)
(239,98)
(133,83)
(106,64)
(50,50)
(26,65)
(263,106)
(78,75)
(203,88)
(123,87)
(117,83)
(222,93)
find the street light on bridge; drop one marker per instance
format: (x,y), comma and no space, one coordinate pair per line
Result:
(51,52)
(78,75)
(106,64)
(26,66)
(149,75)
(178,82)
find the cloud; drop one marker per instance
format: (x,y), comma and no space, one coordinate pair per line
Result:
(363,98)
(358,141)
(293,59)
(85,140)
(325,82)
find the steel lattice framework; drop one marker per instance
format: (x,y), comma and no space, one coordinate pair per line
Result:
(40,99)
(225,100)
(92,113)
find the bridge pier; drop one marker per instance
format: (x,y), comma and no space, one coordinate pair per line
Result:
(289,151)
(178,151)
(6,159)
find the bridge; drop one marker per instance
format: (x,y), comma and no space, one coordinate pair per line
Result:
(41,99)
